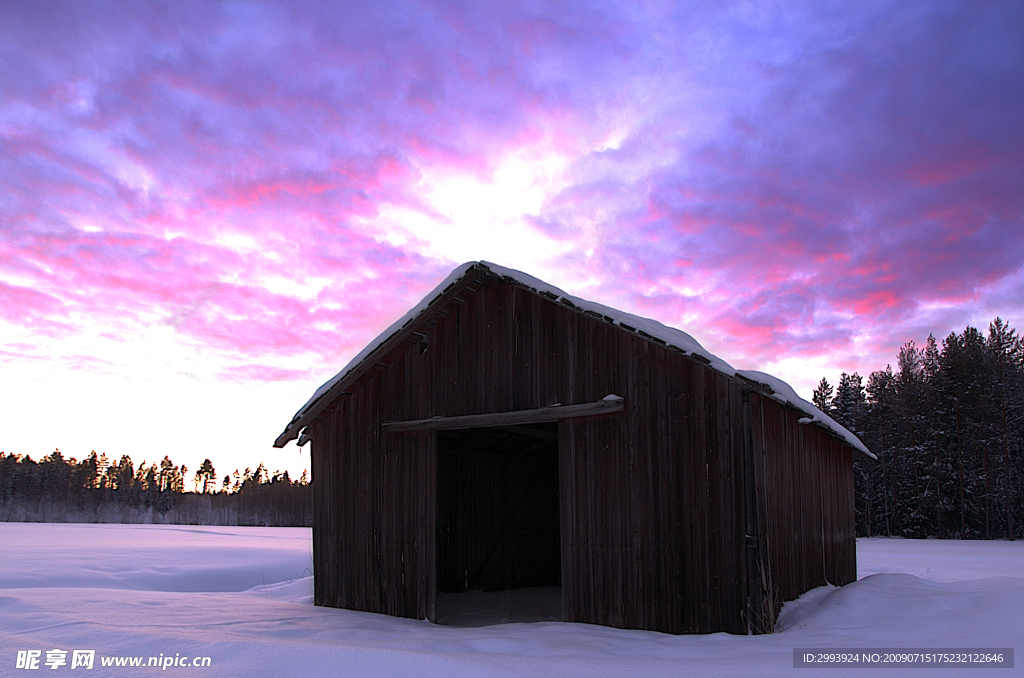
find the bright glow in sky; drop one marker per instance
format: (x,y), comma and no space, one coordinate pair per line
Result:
(466,217)
(206,211)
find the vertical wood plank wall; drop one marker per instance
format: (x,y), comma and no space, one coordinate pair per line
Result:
(653,501)
(808,503)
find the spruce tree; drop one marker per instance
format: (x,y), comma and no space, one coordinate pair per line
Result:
(822,397)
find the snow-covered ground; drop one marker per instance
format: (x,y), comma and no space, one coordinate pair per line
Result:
(242,596)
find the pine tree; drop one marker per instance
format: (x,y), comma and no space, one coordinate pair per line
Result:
(822,397)
(1005,352)
(877,428)
(206,475)
(849,406)
(912,433)
(962,391)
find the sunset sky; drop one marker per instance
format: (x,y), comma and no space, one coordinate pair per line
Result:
(207,209)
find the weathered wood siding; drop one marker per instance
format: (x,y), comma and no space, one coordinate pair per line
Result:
(808,501)
(654,506)
(373,515)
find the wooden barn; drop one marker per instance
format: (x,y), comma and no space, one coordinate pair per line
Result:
(504,434)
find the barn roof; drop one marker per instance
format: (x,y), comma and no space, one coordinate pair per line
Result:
(645,327)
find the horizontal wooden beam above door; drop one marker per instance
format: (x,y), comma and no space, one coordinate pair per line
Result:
(609,405)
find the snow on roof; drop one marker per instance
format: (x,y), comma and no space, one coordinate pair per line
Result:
(652,329)
(306,412)
(784,393)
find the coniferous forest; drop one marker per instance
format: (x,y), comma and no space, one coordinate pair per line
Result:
(947,426)
(56,489)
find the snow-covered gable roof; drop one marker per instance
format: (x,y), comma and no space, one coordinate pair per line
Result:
(646,327)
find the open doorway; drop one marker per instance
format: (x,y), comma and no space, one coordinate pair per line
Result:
(498,540)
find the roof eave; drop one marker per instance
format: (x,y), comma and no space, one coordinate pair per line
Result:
(383,344)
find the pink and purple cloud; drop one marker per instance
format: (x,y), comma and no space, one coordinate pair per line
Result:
(791,177)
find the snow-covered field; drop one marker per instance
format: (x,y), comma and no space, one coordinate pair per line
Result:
(242,597)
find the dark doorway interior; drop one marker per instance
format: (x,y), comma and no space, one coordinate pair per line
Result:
(498,524)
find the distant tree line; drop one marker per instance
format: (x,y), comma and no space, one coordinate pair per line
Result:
(59,489)
(947,426)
